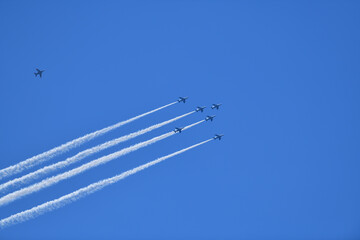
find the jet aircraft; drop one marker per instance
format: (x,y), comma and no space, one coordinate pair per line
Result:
(218,136)
(209,118)
(182,99)
(200,109)
(39,72)
(178,130)
(216,106)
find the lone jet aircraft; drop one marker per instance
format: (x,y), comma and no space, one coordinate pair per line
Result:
(178,130)
(200,109)
(209,118)
(182,99)
(39,72)
(218,136)
(216,106)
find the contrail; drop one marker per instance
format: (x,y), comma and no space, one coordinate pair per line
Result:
(56,166)
(35,160)
(82,192)
(55,179)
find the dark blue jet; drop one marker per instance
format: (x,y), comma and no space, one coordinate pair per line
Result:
(200,109)
(39,72)
(178,130)
(218,136)
(209,118)
(216,106)
(182,99)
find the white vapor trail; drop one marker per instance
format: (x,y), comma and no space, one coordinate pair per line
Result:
(82,192)
(55,179)
(56,166)
(35,160)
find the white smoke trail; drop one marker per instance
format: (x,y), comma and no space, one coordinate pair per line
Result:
(55,179)
(56,166)
(82,192)
(35,160)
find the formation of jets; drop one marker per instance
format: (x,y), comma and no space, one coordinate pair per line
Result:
(201,109)
(38,72)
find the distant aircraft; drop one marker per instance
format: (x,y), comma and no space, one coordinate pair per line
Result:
(216,106)
(218,136)
(201,109)
(182,99)
(178,130)
(39,72)
(209,118)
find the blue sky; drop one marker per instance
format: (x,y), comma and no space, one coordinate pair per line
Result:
(287,74)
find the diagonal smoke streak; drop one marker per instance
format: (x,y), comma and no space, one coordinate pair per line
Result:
(56,166)
(35,160)
(82,192)
(55,179)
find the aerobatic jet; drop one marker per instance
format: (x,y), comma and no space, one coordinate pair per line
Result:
(200,109)
(216,106)
(218,136)
(178,130)
(182,99)
(209,118)
(39,72)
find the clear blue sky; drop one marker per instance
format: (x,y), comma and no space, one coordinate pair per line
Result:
(287,74)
